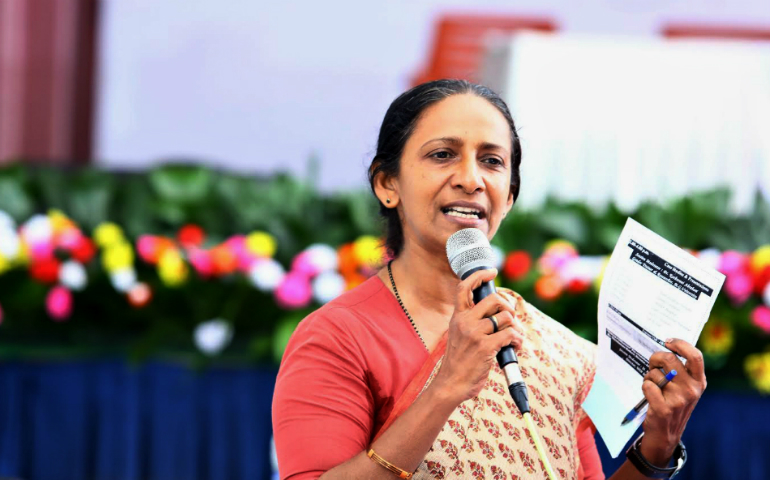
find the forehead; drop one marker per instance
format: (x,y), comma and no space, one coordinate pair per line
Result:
(466,116)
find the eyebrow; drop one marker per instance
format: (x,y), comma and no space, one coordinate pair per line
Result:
(454,141)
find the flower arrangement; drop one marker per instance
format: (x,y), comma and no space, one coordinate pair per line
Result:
(187,261)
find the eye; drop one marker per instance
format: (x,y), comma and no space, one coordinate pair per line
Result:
(441,155)
(494,161)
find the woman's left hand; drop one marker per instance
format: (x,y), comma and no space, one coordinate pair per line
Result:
(670,407)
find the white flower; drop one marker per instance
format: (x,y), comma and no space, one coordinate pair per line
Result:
(6,221)
(72,275)
(323,257)
(328,286)
(37,229)
(9,241)
(213,336)
(266,274)
(710,257)
(123,280)
(586,268)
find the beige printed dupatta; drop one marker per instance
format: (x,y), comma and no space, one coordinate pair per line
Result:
(486,437)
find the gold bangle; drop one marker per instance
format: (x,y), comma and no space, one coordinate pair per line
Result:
(388,465)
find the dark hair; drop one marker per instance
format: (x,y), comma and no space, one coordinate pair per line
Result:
(398,125)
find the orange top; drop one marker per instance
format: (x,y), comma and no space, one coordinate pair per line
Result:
(344,368)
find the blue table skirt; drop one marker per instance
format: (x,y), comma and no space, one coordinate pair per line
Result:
(109,420)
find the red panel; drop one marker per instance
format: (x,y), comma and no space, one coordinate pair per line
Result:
(46,79)
(458,44)
(726,32)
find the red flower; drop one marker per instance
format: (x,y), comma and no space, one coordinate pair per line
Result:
(517,265)
(45,271)
(191,236)
(84,250)
(761,280)
(578,285)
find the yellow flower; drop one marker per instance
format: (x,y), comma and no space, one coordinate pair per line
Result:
(717,337)
(368,251)
(59,221)
(171,268)
(261,244)
(107,234)
(760,259)
(758,370)
(117,256)
(22,256)
(4,264)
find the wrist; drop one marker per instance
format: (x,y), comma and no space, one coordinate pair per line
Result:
(443,393)
(652,451)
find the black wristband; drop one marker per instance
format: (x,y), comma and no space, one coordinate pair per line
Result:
(648,469)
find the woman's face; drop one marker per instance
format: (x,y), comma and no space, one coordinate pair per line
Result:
(455,172)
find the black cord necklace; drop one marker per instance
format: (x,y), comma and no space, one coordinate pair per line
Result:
(398,297)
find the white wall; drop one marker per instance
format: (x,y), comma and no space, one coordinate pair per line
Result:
(259,86)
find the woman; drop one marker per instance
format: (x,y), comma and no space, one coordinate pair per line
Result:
(401,371)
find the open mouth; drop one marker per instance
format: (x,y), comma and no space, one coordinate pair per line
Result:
(463,212)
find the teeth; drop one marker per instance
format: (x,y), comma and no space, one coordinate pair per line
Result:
(465,210)
(455,213)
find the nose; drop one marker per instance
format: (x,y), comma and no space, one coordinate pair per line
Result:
(468,176)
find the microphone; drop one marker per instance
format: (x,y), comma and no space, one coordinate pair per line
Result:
(468,251)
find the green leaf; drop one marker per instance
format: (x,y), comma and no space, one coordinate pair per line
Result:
(90,197)
(15,200)
(181,183)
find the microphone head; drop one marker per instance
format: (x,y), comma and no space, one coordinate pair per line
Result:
(467,249)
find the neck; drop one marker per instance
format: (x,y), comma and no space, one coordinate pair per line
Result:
(425,281)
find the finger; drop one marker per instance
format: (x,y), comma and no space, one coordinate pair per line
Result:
(693,356)
(655,375)
(464,298)
(654,396)
(504,320)
(667,361)
(509,336)
(489,325)
(492,305)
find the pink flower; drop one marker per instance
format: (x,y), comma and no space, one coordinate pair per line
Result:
(41,250)
(303,264)
(58,302)
(147,248)
(236,244)
(761,318)
(201,261)
(739,287)
(294,291)
(732,262)
(69,238)
(243,256)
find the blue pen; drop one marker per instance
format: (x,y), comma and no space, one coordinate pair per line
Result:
(639,406)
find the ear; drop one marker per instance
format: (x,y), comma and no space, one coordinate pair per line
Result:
(386,189)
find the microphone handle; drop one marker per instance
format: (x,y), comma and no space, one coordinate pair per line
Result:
(506,357)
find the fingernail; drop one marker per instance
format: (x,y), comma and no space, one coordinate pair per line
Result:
(669,340)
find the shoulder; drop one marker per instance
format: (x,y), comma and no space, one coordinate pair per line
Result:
(342,324)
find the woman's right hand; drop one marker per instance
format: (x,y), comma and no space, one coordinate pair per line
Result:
(471,344)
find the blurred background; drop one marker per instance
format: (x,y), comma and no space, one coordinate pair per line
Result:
(181,182)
